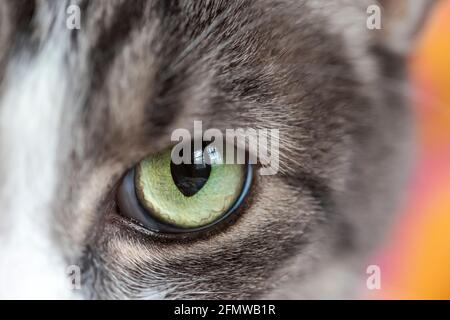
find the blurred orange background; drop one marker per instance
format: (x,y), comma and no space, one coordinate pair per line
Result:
(416,261)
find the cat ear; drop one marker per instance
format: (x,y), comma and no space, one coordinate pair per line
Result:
(401,22)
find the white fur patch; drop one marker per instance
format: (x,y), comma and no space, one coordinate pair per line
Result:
(33,103)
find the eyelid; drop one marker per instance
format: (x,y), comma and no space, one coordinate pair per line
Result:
(128,201)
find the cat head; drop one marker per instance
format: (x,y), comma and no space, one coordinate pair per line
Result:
(81,107)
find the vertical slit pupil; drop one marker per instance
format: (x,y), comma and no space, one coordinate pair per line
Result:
(190,178)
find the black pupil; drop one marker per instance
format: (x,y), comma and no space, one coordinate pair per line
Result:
(190,178)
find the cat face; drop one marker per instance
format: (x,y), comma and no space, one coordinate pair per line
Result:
(80,108)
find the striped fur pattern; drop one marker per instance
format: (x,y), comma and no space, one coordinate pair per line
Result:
(78,108)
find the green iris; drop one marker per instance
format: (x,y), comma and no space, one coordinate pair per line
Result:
(159,194)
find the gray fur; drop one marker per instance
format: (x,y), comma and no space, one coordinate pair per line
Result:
(140,69)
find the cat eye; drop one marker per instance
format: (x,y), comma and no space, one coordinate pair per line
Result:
(165,197)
